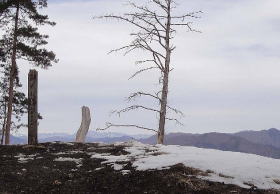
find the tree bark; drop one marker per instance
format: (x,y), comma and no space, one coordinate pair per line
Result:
(2,135)
(33,107)
(162,117)
(4,124)
(13,73)
(164,95)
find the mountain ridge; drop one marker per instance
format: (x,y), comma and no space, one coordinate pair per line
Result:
(265,142)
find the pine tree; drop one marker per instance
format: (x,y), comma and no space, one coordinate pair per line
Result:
(20,102)
(22,41)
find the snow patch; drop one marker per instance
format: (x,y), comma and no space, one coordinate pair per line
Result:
(68,143)
(240,168)
(99,168)
(69,152)
(60,142)
(228,167)
(25,158)
(78,161)
(117,166)
(124,172)
(109,158)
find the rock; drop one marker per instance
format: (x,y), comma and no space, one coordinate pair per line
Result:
(83,130)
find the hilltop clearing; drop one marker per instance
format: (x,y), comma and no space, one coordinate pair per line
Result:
(133,168)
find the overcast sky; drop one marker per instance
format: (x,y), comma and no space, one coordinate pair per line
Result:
(226,78)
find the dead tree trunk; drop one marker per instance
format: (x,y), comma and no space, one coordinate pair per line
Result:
(165,83)
(33,107)
(83,130)
(162,118)
(13,74)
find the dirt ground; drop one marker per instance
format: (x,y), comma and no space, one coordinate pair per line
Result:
(32,169)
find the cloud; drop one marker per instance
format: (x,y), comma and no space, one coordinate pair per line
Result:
(225,78)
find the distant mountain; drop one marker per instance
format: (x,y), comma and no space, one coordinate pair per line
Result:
(92,136)
(269,137)
(18,140)
(264,143)
(111,139)
(71,138)
(220,141)
(66,138)
(48,135)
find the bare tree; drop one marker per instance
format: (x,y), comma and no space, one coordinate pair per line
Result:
(156,22)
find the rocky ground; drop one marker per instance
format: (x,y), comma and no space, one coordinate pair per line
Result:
(69,168)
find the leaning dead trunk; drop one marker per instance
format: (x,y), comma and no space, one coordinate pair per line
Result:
(83,130)
(13,73)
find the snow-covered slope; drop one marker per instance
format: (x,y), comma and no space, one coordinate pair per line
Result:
(236,168)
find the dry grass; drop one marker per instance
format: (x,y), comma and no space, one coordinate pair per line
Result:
(249,184)
(158,153)
(189,182)
(277,181)
(33,146)
(225,176)
(209,171)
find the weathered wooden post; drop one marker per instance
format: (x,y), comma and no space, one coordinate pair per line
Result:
(33,107)
(83,130)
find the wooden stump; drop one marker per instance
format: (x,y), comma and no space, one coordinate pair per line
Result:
(83,130)
(33,107)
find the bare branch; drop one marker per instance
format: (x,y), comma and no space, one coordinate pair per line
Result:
(158,2)
(175,120)
(141,71)
(150,60)
(139,94)
(147,46)
(110,125)
(129,20)
(121,48)
(150,14)
(144,61)
(188,25)
(176,111)
(189,15)
(134,107)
